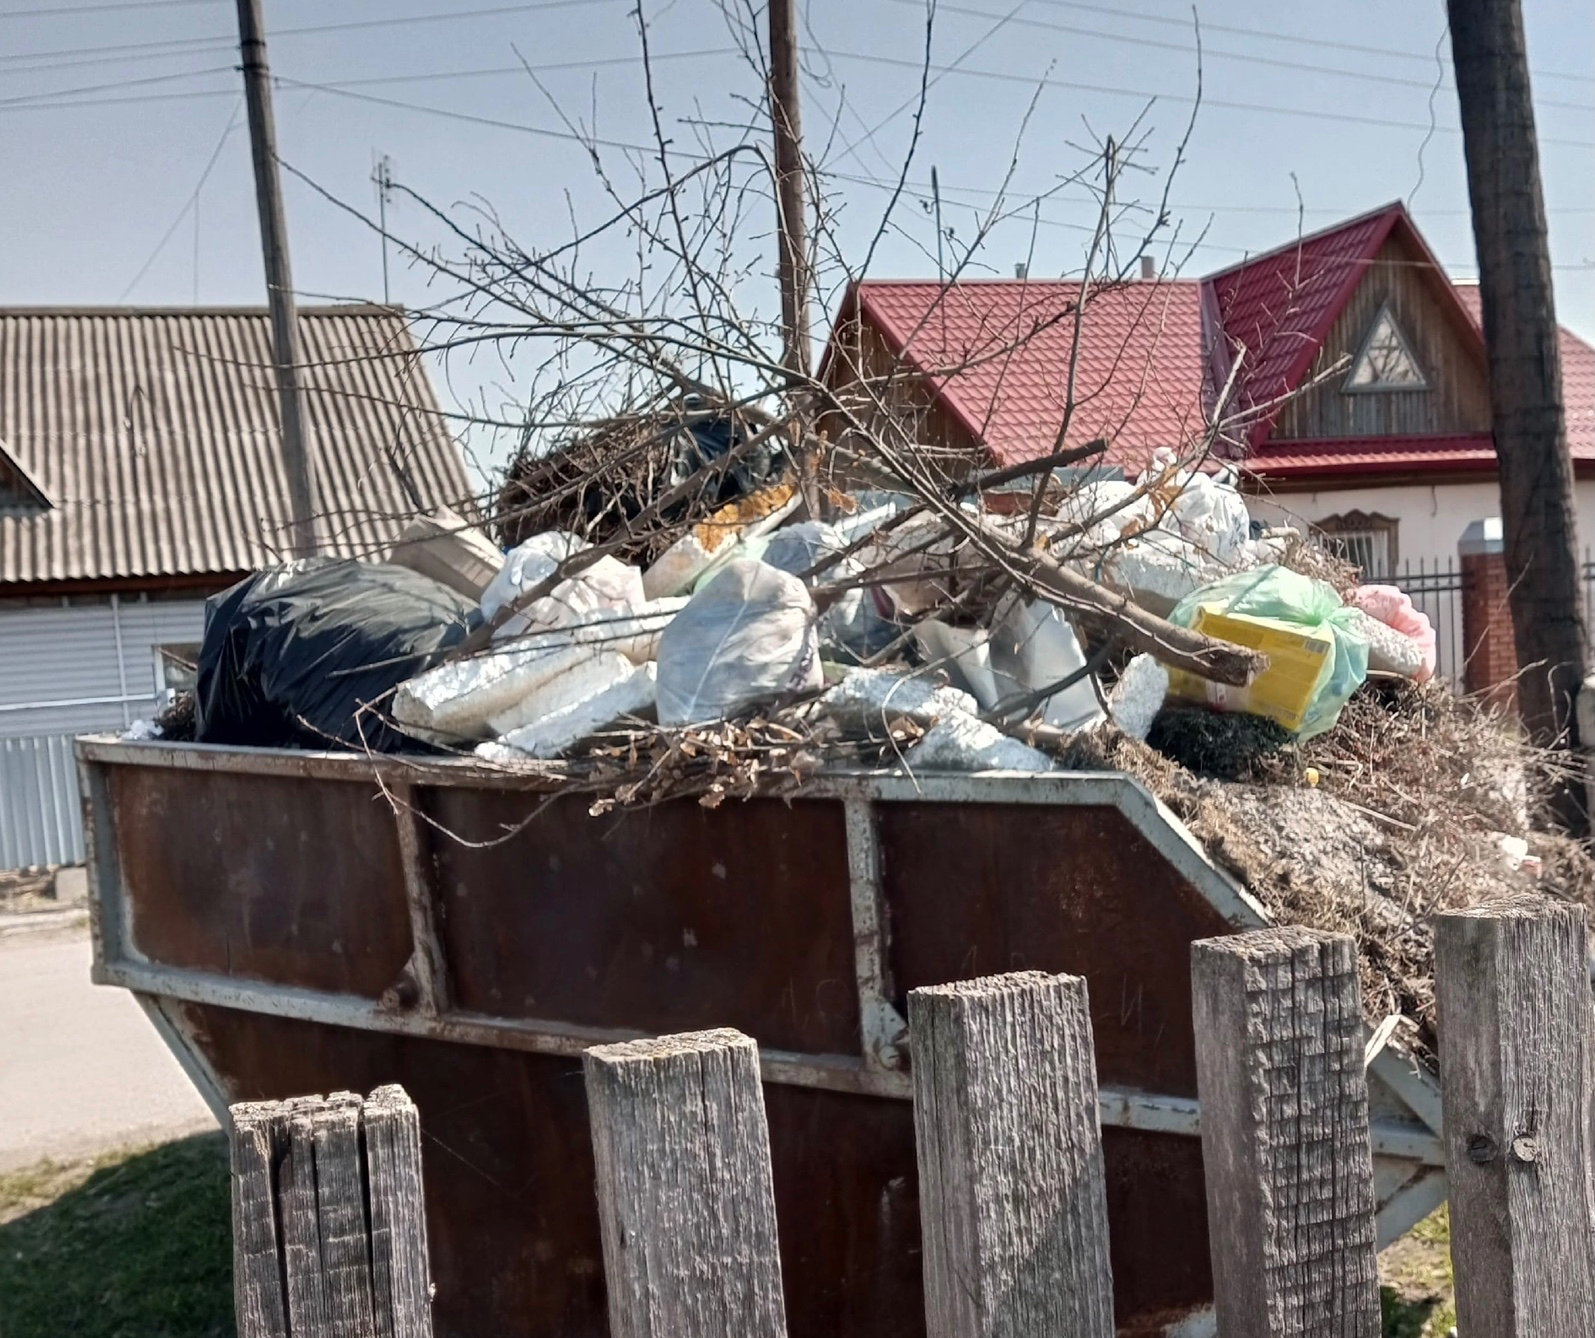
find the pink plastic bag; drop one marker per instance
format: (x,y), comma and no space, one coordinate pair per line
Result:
(1394,609)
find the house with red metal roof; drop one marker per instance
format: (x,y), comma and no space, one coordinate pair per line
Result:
(1350,367)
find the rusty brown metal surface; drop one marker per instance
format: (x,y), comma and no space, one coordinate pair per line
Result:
(978,889)
(667,919)
(672,918)
(287,880)
(513,1225)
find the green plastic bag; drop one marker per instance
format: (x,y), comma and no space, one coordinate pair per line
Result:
(1283,596)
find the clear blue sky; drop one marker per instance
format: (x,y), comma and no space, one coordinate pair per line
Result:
(110,113)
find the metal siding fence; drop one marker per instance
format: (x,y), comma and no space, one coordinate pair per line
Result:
(41,818)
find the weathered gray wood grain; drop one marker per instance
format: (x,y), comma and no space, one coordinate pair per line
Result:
(304,1277)
(685,1197)
(341,1218)
(1512,980)
(1012,1199)
(257,1133)
(1290,1197)
(400,1277)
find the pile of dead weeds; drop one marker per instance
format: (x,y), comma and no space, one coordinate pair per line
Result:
(1370,829)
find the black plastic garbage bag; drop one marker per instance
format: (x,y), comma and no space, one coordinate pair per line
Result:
(291,653)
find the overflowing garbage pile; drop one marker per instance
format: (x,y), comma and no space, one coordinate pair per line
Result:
(738,644)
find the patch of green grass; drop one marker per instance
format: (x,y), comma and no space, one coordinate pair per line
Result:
(133,1245)
(1418,1298)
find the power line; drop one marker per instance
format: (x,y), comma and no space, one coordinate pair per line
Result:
(22,99)
(190,203)
(71,11)
(1124,39)
(1034,81)
(1263,34)
(357,25)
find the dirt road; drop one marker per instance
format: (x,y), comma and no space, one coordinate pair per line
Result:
(81,1068)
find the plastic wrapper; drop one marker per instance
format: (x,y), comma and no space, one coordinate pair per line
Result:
(291,654)
(1318,655)
(748,636)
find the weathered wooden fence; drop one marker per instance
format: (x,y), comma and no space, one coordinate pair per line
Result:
(1012,1198)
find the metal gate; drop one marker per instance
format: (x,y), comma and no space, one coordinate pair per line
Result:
(41,817)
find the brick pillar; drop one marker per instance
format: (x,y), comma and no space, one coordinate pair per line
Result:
(1489,652)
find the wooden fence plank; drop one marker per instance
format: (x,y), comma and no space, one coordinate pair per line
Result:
(1512,980)
(304,1279)
(256,1136)
(329,1237)
(400,1279)
(341,1218)
(1012,1195)
(685,1196)
(1290,1196)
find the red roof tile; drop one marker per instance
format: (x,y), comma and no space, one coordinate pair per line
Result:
(997,354)
(1279,306)
(1372,455)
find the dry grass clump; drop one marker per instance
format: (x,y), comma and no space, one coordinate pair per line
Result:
(1414,789)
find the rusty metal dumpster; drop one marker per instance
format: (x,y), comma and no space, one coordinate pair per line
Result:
(298,922)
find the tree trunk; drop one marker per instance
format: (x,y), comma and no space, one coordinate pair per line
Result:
(1520,335)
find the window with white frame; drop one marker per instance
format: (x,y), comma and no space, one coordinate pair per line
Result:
(1386,360)
(1365,540)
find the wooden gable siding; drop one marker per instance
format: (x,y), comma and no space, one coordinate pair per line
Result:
(872,380)
(1457,399)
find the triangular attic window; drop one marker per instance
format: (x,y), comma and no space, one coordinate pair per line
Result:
(1386,361)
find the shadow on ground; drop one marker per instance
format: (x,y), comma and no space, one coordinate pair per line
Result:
(129,1246)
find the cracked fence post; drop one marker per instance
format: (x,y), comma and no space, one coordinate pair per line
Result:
(1013,1202)
(685,1196)
(1290,1195)
(329,1222)
(1513,991)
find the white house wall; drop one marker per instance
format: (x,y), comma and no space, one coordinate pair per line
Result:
(1432,517)
(60,672)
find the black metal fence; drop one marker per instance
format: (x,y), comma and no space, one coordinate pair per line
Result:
(1435,588)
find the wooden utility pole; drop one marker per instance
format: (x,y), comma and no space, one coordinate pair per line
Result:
(1520,336)
(285,346)
(790,203)
(792,231)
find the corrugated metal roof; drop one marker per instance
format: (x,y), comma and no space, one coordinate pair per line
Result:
(997,354)
(155,436)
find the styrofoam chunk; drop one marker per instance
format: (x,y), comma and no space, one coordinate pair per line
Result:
(873,699)
(598,671)
(1138,696)
(963,743)
(559,731)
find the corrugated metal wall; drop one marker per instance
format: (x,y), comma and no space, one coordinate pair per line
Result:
(41,820)
(66,670)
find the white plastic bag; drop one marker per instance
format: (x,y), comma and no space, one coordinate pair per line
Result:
(608,586)
(964,655)
(1034,647)
(748,636)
